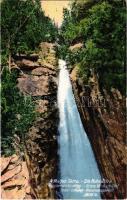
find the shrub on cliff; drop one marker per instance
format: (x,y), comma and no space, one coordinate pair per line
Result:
(18,112)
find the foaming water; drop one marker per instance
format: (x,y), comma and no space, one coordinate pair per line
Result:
(78,168)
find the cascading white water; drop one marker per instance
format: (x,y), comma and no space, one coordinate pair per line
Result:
(79,174)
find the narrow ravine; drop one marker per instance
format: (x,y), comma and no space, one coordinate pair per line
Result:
(63,99)
(78,168)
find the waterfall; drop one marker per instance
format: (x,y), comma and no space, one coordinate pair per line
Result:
(79,174)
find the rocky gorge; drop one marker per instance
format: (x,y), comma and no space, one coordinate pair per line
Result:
(104,119)
(38,78)
(41,147)
(102,114)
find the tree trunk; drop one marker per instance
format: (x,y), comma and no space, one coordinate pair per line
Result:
(9,61)
(9,54)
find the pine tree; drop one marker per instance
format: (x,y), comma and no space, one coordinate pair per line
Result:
(24,26)
(100,25)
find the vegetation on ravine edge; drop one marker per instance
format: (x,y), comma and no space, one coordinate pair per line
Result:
(24,27)
(101,26)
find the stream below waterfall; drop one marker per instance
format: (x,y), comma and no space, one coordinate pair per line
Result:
(79,174)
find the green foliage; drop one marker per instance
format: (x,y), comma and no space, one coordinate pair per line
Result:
(100,26)
(18,112)
(62,51)
(24,26)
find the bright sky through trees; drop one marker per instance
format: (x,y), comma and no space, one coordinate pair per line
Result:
(54,9)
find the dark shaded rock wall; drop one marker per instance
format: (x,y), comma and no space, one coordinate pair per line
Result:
(103,117)
(39,79)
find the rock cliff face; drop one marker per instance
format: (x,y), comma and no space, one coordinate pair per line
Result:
(14,178)
(103,117)
(39,79)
